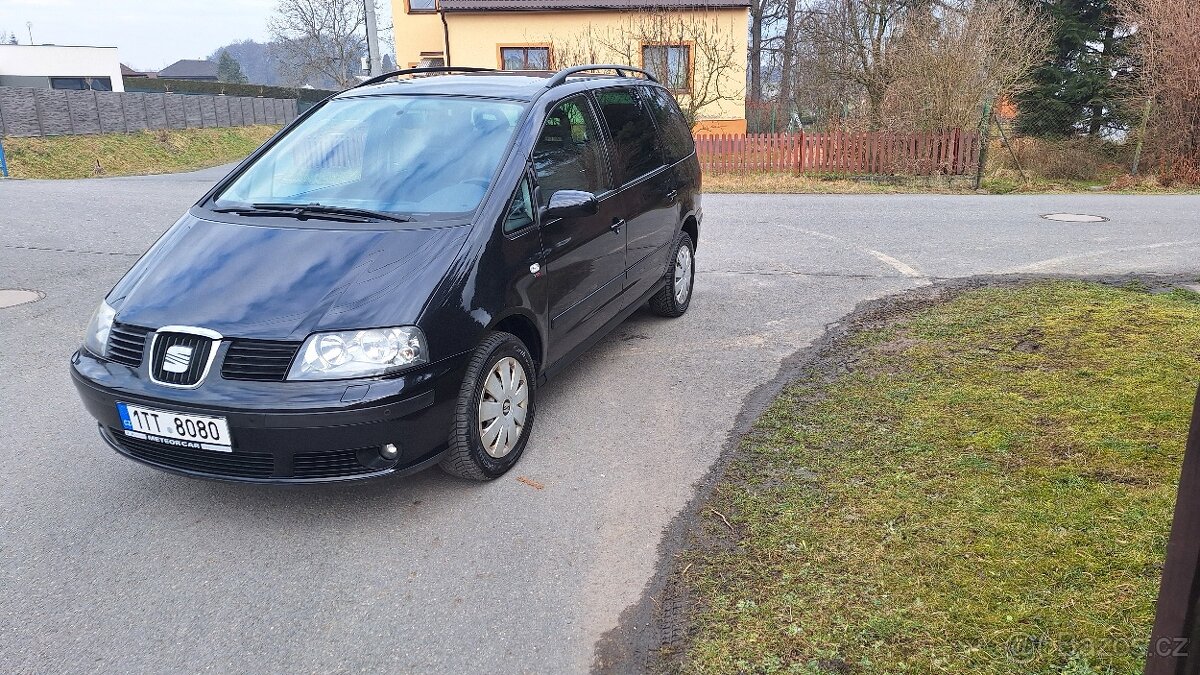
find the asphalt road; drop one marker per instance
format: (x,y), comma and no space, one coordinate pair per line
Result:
(108,566)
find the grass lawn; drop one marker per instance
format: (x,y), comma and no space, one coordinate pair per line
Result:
(982,485)
(138,153)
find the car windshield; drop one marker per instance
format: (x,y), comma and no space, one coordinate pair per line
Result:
(424,157)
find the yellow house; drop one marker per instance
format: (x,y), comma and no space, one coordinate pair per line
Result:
(697,48)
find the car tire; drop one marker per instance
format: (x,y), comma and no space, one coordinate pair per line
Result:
(478,449)
(674,298)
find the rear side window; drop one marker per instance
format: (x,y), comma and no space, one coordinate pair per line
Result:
(568,154)
(676,135)
(637,152)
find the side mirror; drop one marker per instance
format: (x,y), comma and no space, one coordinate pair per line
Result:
(571,204)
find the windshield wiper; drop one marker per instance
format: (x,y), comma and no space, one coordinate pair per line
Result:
(314,210)
(322,209)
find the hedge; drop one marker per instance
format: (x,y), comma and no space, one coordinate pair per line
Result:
(146,84)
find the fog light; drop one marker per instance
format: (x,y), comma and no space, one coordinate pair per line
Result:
(389,451)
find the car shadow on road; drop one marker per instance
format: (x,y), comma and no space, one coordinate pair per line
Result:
(401,496)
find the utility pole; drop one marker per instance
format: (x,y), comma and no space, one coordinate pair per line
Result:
(373,40)
(29,27)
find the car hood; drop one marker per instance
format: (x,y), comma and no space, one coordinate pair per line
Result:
(285,281)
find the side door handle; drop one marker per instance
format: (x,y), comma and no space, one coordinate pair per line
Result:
(617,224)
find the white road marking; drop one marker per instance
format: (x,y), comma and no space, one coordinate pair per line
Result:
(904,269)
(896,264)
(1050,263)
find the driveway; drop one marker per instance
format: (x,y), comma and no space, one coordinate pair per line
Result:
(109,566)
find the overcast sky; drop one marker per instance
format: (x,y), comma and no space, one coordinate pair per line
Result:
(148,34)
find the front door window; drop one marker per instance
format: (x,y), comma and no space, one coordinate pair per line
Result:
(568,155)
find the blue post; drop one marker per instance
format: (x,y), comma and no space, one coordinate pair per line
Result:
(3,163)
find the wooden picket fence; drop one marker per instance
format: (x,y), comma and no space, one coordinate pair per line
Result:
(952,152)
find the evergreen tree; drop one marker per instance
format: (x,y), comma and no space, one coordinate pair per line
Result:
(254,58)
(1076,91)
(228,69)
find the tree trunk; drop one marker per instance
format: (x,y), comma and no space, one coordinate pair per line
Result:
(787,56)
(1105,58)
(757,10)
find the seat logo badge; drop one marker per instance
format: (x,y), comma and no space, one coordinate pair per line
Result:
(177,359)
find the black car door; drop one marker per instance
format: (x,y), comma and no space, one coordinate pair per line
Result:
(584,256)
(644,183)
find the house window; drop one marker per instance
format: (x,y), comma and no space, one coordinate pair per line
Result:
(81,83)
(525,57)
(670,64)
(418,6)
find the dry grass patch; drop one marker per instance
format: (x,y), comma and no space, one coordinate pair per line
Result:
(786,183)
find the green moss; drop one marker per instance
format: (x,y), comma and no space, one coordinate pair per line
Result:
(990,490)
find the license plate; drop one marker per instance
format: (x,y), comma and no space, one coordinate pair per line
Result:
(172,428)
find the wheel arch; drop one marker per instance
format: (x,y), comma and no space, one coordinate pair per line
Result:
(526,330)
(692,227)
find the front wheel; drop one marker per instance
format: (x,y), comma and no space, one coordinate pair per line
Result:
(674,298)
(494,413)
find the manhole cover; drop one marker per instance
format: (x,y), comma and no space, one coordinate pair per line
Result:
(1074,218)
(10,297)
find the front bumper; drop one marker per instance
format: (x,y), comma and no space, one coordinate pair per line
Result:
(285,432)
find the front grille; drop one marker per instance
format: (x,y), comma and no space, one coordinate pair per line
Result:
(328,464)
(235,464)
(126,344)
(180,358)
(260,360)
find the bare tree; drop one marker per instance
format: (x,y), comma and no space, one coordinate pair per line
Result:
(912,64)
(788,41)
(765,16)
(1166,41)
(945,63)
(853,38)
(713,72)
(319,39)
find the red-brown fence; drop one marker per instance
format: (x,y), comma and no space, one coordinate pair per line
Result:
(953,152)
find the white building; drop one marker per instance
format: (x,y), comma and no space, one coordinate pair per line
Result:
(60,67)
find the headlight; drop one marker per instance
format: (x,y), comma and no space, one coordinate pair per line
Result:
(359,353)
(96,336)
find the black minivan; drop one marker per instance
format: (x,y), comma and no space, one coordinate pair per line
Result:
(384,284)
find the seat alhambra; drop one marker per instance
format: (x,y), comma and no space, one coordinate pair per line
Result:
(386,282)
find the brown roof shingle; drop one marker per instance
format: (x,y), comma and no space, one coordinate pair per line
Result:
(558,5)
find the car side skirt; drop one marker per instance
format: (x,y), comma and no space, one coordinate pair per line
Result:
(600,333)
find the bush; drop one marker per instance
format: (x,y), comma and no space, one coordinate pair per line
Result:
(1165,42)
(1081,158)
(144,84)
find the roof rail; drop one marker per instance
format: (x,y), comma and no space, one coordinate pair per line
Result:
(562,75)
(413,71)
